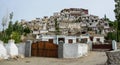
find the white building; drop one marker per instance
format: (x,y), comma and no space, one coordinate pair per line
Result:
(65,39)
(71,39)
(99,39)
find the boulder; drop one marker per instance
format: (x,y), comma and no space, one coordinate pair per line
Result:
(113,57)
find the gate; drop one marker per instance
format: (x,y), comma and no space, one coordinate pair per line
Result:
(44,49)
(102,46)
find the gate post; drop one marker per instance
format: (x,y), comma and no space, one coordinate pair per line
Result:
(114,45)
(90,44)
(60,50)
(28,48)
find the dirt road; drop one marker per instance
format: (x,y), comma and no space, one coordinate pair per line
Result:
(93,58)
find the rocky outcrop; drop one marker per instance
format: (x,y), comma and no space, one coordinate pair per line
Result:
(113,57)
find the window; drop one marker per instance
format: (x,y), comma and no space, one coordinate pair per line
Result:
(87,20)
(88,17)
(84,40)
(92,20)
(37,21)
(51,40)
(77,40)
(70,41)
(61,39)
(83,32)
(98,39)
(105,24)
(90,23)
(95,20)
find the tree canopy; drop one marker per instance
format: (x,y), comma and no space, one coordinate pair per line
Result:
(14,31)
(117,15)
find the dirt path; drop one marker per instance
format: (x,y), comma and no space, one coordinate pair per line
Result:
(94,58)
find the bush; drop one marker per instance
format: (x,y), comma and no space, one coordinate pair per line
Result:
(4,37)
(16,36)
(113,36)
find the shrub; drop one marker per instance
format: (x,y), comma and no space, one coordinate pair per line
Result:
(16,36)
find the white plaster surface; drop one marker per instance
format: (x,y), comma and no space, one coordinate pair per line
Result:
(88,38)
(97,37)
(3,51)
(74,50)
(21,48)
(114,45)
(12,48)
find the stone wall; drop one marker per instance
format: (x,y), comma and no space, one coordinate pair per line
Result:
(118,45)
(113,57)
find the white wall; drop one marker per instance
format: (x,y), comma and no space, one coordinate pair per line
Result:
(74,50)
(70,37)
(55,38)
(88,38)
(36,32)
(3,51)
(43,31)
(21,48)
(96,37)
(47,37)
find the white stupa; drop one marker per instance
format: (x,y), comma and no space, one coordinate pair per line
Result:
(3,51)
(12,48)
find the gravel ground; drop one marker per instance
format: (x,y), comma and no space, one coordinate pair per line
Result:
(93,58)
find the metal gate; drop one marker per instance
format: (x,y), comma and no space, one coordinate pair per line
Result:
(44,49)
(102,46)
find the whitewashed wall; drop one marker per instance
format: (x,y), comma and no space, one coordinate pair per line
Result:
(96,37)
(88,38)
(46,38)
(74,50)
(8,50)
(70,37)
(3,51)
(21,48)
(11,48)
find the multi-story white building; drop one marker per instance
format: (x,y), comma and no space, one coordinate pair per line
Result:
(72,20)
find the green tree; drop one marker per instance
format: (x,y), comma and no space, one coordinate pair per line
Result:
(57,31)
(117,15)
(27,31)
(4,22)
(16,36)
(10,25)
(18,28)
(14,31)
(11,16)
(111,36)
(9,29)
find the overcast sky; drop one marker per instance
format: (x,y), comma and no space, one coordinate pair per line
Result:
(30,9)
